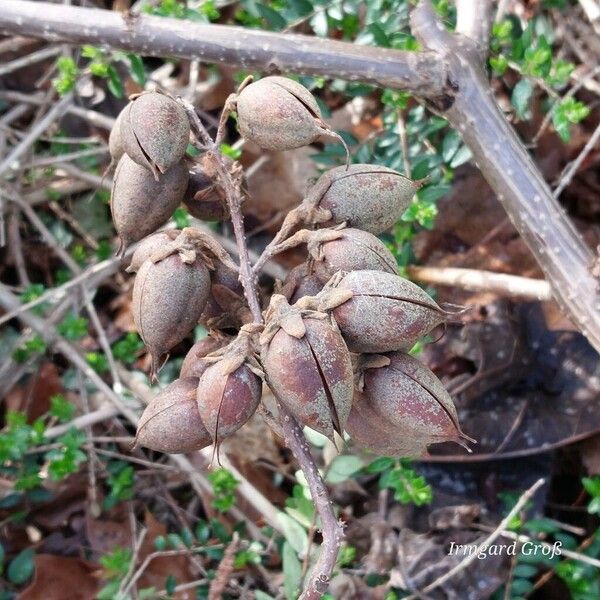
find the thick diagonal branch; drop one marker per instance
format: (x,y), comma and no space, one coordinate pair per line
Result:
(470,107)
(248,48)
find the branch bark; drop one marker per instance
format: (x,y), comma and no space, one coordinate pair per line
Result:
(248,48)
(470,108)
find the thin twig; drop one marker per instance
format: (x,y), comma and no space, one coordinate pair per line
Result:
(483,281)
(34,133)
(332,530)
(224,570)
(29,59)
(571,170)
(463,564)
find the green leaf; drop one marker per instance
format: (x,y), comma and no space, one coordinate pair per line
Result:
(463,155)
(67,75)
(568,111)
(73,327)
(292,572)
(272,17)
(115,83)
(525,571)
(499,64)
(258,595)
(138,73)
(383,463)
(450,145)
(294,533)
(181,217)
(521,97)
(343,467)
(21,567)
(170,585)
(61,408)
(379,35)
(230,151)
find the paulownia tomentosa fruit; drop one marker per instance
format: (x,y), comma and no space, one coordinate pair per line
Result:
(307,365)
(139,203)
(155,132)
(171,422)
(277,113)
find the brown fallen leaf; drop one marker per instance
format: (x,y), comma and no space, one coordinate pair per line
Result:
(60,577)
(161,567)
(33,398)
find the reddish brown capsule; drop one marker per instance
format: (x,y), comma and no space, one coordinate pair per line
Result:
(226,298)
(277,113)
(385,312)
(307,365)
(169,296)
(140,204)
(171,422)
(148,246)
(346,250)
(230,388)
(115,144)
(204,197)
(155,132)
(368,430)
(193,365)
(402,397)
(369,197)
(300,281)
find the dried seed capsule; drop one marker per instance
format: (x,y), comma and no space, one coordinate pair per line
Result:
(404,398)
(193,365)
(300,281)
(385,312)
(230,388)
(277,113)
(348,250)
(155,132)
(140,204)
(149,246)
(204,197)
(115,143)
(368,430)
(171,422)
(307,365)
(369,197)
(226,297)
(169,296)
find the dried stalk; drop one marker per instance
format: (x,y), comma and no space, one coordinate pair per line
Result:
(332,530)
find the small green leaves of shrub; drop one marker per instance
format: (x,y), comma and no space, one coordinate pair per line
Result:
(21,567)
(409,487)
(73,327)
(569,111)
(66,459)
(224,485)
(592,487)
(61,408)
(128,348)
(65,81)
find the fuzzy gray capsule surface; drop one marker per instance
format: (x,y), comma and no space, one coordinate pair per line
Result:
(139,203)
(155,132)
(277,113)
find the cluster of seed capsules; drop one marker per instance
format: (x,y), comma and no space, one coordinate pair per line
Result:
(334,344)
